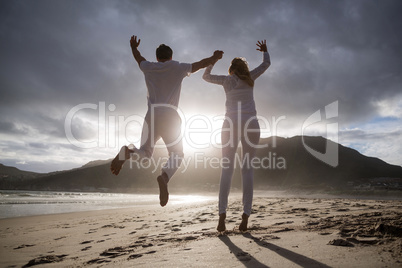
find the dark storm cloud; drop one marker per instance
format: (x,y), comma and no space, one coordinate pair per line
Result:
(58,54)
(58,51)
(337,51)
(321,51)
(52,50)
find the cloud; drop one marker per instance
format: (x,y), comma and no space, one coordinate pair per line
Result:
(59,54)
(12,128)
(391,108)
(381,144)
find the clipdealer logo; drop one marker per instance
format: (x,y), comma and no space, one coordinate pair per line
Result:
(331,156)
(110,126)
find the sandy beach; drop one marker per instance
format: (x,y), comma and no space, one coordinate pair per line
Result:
(283,232)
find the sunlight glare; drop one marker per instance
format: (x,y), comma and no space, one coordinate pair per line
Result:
(186,199)
(200,132)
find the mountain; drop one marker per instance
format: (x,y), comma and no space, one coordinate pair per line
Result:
(96,163)
(15,173)
(284,162)
(305,169)
(9,176)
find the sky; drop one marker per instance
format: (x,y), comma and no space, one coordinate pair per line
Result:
(71,92)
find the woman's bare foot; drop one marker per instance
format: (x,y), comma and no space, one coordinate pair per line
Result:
(163,189)
(244,221)
(221,224)
(119,160)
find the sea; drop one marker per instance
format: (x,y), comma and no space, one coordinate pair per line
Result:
(30,203)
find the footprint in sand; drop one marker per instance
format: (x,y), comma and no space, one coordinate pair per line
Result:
(98,261)
(109,234)
(24,246)
(243,256)
(46,259)
(134,256)
(116,252)
(340,242)
(286,229)
(188,238)
(283,222)
(86,242)
(113,225)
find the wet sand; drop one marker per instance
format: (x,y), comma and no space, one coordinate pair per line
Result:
(283,232)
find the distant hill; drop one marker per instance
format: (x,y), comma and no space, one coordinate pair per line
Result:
(12,176)
(286,164)
(304,169)
(13,172)
(96,163)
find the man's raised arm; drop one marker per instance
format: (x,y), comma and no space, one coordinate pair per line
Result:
(134,48)
(207,61)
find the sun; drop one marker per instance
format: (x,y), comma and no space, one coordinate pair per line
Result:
(201,132)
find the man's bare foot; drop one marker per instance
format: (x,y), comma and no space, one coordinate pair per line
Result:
(221,224)
(244,221)
(119,160)
(163,189)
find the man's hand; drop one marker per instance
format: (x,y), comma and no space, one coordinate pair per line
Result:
(218,54)
(134,45)
(133,42)
(262,46)
(207,61)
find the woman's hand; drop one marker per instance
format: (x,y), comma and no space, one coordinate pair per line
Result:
(262,46)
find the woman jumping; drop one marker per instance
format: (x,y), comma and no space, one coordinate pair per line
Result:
(240,124)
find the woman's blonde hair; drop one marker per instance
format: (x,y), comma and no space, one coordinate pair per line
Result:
(239,67)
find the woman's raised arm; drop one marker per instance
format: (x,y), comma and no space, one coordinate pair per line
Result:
(266,62)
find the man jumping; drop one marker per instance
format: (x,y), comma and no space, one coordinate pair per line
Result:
(163,80)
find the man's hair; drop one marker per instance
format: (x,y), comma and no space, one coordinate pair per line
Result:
(164,52)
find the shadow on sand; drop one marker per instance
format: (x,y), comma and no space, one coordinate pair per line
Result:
(244,257)
(294,257)
(249,261)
